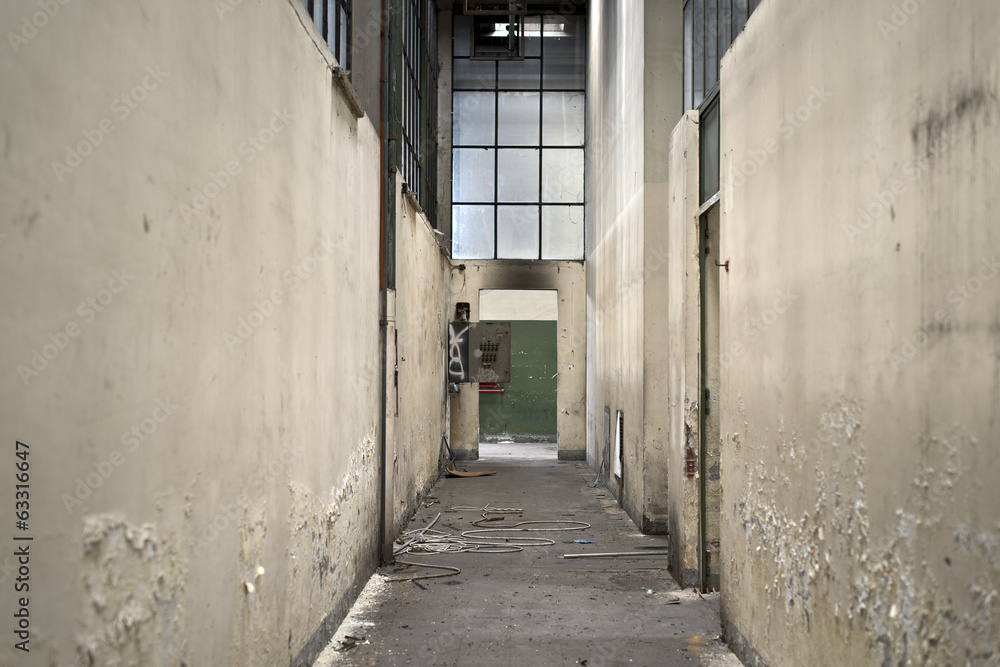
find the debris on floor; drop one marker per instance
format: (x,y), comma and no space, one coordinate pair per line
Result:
(349,642)
(567,611)
(454,472)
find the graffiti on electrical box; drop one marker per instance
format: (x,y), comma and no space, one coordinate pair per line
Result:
(458,352)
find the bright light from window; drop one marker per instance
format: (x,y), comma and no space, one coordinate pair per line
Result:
(531,29)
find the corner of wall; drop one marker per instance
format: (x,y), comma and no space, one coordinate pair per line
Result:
(683,342)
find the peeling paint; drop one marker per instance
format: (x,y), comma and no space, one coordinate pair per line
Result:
(892,592)
(326,531)
(133,595)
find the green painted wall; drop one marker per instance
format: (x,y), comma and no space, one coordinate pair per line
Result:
(529,405)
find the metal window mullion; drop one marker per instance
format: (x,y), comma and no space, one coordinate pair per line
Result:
(541,115)
(326,19)
(335,42)
(420,82)
(496,160)
(583,209)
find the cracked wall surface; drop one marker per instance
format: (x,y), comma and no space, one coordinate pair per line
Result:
(861,320)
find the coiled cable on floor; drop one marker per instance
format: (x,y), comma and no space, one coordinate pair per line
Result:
(451,573)
(427,540)
(487,510)
(513,528)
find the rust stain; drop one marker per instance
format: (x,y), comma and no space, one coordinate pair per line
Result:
(696,644)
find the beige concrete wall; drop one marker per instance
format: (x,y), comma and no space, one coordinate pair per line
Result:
(684,345)
(633,103)
(202,428)
(569,280)
(416,411)
(518,305)
(662,107)
(861,317)
(615,239)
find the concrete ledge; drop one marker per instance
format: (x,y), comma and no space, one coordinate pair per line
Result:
(689,579)
(741,646)
(328,626)
(654,526)
(414,505)
(465,454)
(630,509)
(572,455)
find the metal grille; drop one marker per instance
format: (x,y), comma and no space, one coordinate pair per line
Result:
(333,19)
(413,90)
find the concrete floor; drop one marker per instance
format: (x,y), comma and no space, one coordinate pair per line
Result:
(533,607)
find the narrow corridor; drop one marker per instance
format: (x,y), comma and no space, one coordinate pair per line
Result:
(532,607)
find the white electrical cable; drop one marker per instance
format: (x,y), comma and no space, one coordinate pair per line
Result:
(426,540)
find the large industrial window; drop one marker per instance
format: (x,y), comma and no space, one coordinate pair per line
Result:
(417,107)
(518,143)
(710,26)
(333,18)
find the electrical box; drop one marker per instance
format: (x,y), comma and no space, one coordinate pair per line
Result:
(479,352)
(489,351)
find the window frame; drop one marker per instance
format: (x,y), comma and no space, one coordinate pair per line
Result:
(710,28)
(413,116)
(491,82)
(334,30)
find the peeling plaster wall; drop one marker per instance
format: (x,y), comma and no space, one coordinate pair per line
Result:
(635,100)
(569,280)
(134,582)
(423,308)
(662,106)
(204,432)
(861,317)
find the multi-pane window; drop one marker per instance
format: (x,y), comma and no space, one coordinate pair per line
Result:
(333,18)
(414,97)
(710,26)
(518,143)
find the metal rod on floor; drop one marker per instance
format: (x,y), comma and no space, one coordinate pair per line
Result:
(618,553)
